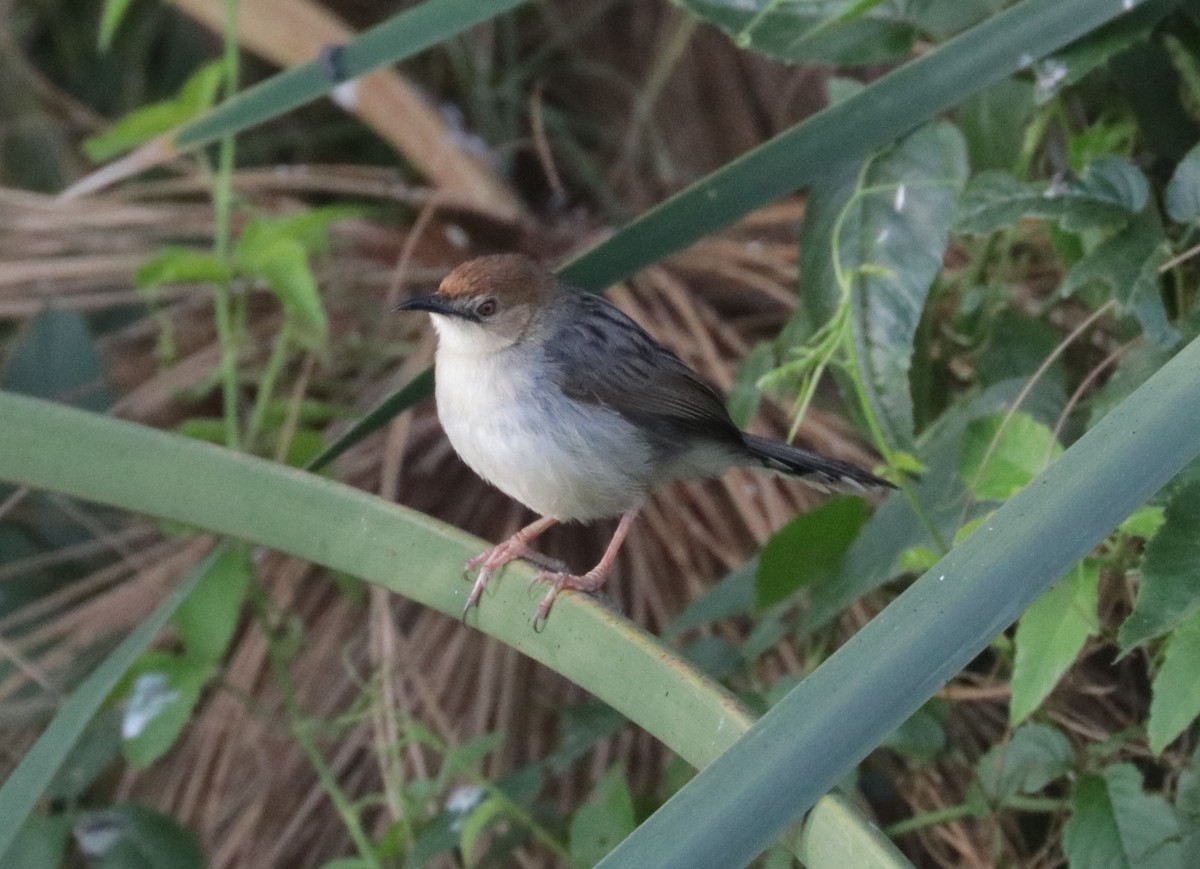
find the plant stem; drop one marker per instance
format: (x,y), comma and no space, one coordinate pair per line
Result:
(957,813)
(266,385)
(222,208)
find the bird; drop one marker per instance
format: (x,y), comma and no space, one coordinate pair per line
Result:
(557,398)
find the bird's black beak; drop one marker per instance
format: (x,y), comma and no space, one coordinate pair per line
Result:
(434,304)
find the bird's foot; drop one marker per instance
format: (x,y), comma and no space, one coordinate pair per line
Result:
(488,563)
(589,583)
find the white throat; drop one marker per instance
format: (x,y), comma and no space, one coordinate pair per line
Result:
(462,337)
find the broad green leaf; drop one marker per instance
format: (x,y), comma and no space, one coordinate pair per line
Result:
(283,266)
(1018,346)
(1128,263)
(197,95)
(604,820)
(180,265)
(474,824)
(209,429)
(468,756)
(1169,592)
(993,124)
(1183,190)
(56,357)
(207,619)
(165,689)
(894,237)
(98,746)
(970,527)
(820,30)
(304,446)
(1176,702)
(923,736)
(110,21)
(1187,809)
(40,844)
(808,549)
(894,528)
(918,559)
(1050,636)
(310,228)
(744,398)
(1035,756)
(1099,46)
(733,595)
(1115,825)
(581,726)
(1106,196)
(1003,453)
(715,656)
(1137,365)
(1145,522)
(133,837)
(24,787)
(887,245)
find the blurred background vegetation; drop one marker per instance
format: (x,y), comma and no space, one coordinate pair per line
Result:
(983,291)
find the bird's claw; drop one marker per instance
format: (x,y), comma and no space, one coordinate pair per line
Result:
(476,594)
(589,583)
(489,562)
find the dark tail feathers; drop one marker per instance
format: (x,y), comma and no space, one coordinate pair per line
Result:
(818,471)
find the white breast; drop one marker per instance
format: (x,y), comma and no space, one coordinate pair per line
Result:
(518,432)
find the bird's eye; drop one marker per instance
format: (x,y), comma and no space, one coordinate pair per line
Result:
(487,307)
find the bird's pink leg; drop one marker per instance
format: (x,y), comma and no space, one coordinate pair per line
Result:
(590,581)
(495,558)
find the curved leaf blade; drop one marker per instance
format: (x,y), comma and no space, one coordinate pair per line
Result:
(736,806)
(847,132)
(136,468)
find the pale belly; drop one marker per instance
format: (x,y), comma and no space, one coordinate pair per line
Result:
(558,458)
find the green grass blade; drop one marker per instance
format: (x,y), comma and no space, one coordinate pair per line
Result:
(416,390)
(21,792)
(733,809)
(399,37)
(136,468)
(891,106)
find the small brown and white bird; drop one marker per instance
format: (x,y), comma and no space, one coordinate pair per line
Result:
(565,404)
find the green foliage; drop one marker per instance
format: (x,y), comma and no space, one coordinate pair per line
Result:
(114,14)
(604,820)
(1183,191)
(207,619)
(1169,593)
(838,32)
(195,97)
(1035,756)
(1003,453)
(1050,636)
(1176,690)
(133,837)
(871,247)
(163,690)
(808,549)
(1107,194)
(1114,823)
